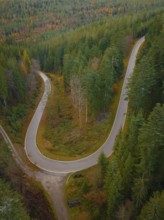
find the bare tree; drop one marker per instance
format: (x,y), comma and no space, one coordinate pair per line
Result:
(77,94)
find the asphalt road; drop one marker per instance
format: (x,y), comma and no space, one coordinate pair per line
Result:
(55,166)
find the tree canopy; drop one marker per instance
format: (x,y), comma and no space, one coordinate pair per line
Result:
(11,206)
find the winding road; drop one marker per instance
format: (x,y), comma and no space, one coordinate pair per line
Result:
(63,167)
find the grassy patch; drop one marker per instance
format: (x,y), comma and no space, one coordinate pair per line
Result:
(59,136)
(92,197)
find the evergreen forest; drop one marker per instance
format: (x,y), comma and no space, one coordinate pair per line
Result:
(84,48)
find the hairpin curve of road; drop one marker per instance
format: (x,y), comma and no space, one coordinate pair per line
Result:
(64,167)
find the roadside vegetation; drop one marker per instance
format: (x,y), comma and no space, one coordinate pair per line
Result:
(19,83)
(59,135)
(33,197)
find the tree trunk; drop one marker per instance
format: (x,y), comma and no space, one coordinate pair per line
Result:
(86,112)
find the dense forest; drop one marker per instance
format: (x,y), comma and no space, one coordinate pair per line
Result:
(130,185)
(10,203)
(85,45)
(21,197)
(135,172)
(84,58)
(17,83)
(35,18)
